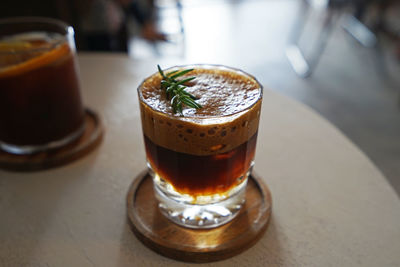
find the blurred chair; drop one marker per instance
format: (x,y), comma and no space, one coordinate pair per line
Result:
(172,4)
(352,24)
(168,14)
(304,66)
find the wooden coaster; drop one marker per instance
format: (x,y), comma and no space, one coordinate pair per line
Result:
(191,245)
(89,140)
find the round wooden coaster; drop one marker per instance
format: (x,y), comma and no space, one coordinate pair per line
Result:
(89,140)
(192,245)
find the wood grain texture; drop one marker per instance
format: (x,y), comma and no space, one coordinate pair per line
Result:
(88,141)
(176,242)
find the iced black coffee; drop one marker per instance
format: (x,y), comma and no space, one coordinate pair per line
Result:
(200,159)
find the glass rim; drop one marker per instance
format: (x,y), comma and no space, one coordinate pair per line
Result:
(204,66)
(65,30)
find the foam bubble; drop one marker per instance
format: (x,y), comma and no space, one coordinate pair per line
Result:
(231,104)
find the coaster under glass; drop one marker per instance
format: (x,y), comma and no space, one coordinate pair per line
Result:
(88,140)
(194,245)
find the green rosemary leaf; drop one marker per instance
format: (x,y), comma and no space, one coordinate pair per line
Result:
(190,102)
(172,72)
(180,108)
(169,90)
(164,84)
(177,104)
(175,90)
(190,95)
(180,73)
(161,72)
(173,100)
(180,89)
(185,80)
(174,103)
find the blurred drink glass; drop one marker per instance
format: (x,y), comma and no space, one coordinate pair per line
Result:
(40,101)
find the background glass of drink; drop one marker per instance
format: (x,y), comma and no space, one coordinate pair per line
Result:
(200,162)
(40,101)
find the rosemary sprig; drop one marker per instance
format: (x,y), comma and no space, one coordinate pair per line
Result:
(175,90)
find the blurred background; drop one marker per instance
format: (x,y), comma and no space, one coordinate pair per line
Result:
(339,57)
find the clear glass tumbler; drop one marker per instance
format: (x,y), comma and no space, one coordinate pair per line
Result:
(200,161)
(40,101)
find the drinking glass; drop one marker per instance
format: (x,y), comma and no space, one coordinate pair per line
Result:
(40,101)
(200,164)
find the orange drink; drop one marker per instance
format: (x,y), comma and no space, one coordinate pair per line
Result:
(40,101)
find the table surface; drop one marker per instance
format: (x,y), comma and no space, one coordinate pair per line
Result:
(332,206)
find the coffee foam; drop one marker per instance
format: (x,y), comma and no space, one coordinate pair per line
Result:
(230,115)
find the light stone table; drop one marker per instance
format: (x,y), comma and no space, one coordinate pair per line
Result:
(331,205)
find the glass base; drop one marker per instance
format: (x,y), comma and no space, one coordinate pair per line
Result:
(201,212)
(31,149)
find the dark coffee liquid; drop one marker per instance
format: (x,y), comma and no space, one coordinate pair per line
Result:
(42,104)
(201,175)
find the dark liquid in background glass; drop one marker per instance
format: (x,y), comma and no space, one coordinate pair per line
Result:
(40,97)
(201,175)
